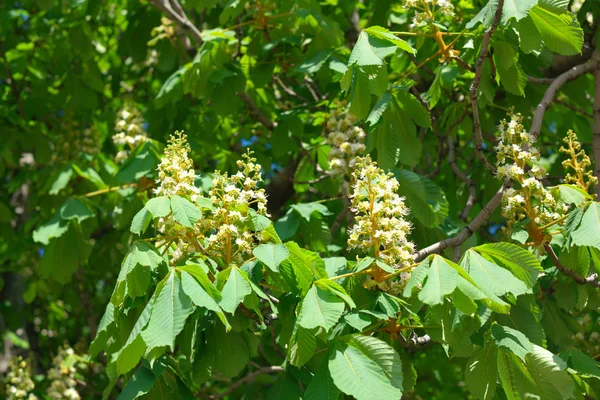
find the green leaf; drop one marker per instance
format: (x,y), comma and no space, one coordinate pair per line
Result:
(75,208)
(512,76)
(307,266)
(169,312)
(230,351)
(54,228)
(172,90)
(134,348)
(302,346)
(572,194)
(146,254)
(516,381)
(517,9)
(561,32)
(184,211)
(490,278)
(441,280)
(335,288)
(581,362)
(384,34)
(159,206)
(140,221)
(65,254)
(370,50)
(356,83)
(482,371)
(588,233)
(235,290)
(271,255)
(321,386)
(139,384)
(383,354)
(425,199)
(285,388)
(517,260)
(512,340)
(199,296)
(320,308)
(358,374)
(411,106)
(306,210)
(549,374)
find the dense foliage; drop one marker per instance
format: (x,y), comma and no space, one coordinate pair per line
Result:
(368,199)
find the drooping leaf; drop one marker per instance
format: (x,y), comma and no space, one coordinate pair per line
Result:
(184,211)
(320,308)
(271,255)
(169,312)
(235,290)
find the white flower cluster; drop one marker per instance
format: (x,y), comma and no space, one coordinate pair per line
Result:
(517,160)
(129,130)
(224,232)
(62,376)
(428,8)
(347,141)
(232,197)
(380,223)
(176,170)
(19,384)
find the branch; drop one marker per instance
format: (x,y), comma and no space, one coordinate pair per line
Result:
(466,233)
(541,81)
(572,107)
(590,280)
(248,378)
(256,112)
(596,138)
(174,11)
(574,72)
(475,85)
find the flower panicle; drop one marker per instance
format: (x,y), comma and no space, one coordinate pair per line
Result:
(19,384)
(380,225)
(347,140)
(578,161)
(176,174)
(518,160)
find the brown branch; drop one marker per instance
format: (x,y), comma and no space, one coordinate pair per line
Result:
(596,138)
(572,107)
(256,112)
(288,90)
(176,13)
(483,55)
(541,81)
(248,378)
(466,233)
(574,72)
(590,280)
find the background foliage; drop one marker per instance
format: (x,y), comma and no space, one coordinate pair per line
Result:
(265,76)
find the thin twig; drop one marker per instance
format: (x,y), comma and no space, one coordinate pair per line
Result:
(288,90)
(483,55)
(570,74)
(572,107)
(175,12)
(590,280)
(541,81)
(476,224)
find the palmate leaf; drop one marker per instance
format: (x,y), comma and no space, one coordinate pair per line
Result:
(360,372)
(516,381)
(517,260)
(321,386)
(184,211)
(517,9)
(482,371)
(302,346)
(549,374)
(235,290)
(169,312)
(271,255)
(588,232)
(426,200)
(511,339)
(320,308)
(561,32)
(490,278)
(135,347)
(200,297)
(440,281)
